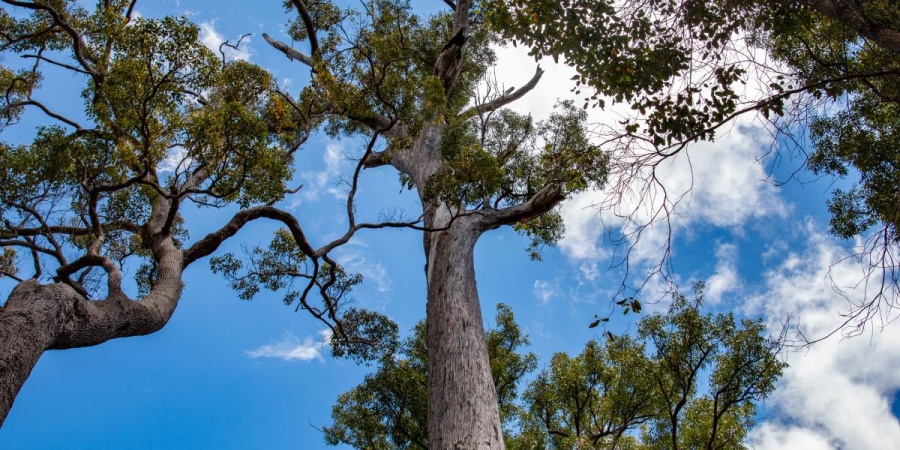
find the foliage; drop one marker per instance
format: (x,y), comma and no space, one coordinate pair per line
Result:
(826,74)
(688,380)
(142,99)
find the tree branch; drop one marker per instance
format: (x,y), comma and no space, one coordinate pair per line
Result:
(504,100)
(308,23)
(292,54)
(545,200)
(211,242)
(77,42)
(114,280)
(43,108)
(57,63)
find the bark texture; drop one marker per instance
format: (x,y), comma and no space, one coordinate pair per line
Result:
(39,317)
(462,404)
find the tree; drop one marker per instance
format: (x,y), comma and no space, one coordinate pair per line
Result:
(87,195)
(827,67)
(688,380)
(388,410)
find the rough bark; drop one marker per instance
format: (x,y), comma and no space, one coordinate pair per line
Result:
(39,317)
(462,405)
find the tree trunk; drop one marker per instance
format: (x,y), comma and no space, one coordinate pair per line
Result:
(462,405)
(39,317)
(29,323)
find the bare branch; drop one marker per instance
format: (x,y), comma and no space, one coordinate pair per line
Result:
(57,63)
(43,108)
(541,202)
(130,10)
(236,46)
(504,100)
(212,241)
(292,54)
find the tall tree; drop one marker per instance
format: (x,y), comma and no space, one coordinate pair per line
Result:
(388,410)
(88,194)
(689,379)
(829,69)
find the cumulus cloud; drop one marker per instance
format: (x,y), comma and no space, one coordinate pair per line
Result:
(838,393)
(291,348)
(719,184)
(213,40)
(176,159)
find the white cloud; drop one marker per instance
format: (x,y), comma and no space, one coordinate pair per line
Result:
(719,184)
(176,159)
(372,271)
(545,290)
(725,279)
(290,348)
(838,393)
(769,436)
(213,40)
(315,183)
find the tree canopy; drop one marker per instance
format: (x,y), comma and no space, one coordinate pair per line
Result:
(167,124)
(825,73)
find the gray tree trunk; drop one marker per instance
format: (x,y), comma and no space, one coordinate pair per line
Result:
(462,403)
(39,317)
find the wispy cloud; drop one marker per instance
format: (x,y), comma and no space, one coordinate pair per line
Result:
(212,39)
(357,261)
(545,290)
(325,180)
(291,348)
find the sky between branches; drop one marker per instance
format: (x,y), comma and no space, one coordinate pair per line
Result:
(230,374)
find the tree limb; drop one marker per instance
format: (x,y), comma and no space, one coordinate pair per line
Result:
(308,23)
(43,108)
(211,242)
(504,100)
(77,42)
(292,54)
(540,203)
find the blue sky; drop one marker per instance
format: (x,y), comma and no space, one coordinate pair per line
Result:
(230,374)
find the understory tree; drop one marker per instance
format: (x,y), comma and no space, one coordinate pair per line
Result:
(167,124)
(688,379)
(824,73)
